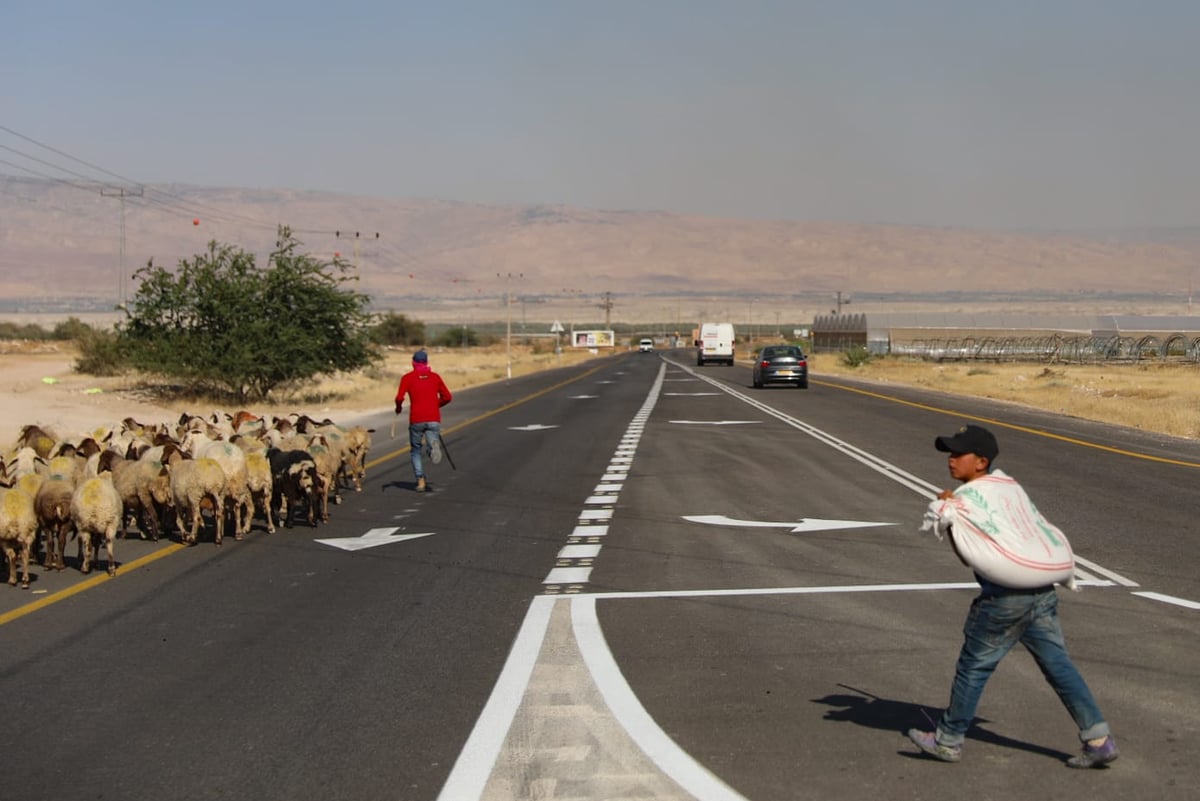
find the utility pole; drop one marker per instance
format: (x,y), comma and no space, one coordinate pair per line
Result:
(122,193)
(357,236)
(841,302)
(607,305)
(508,319)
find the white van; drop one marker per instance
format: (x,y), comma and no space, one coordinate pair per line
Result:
(646,346)
(715,344)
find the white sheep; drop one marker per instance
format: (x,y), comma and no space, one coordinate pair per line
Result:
(261,485)
(18,532)
(144,486)
(96,511)
(232,460)
(195,482)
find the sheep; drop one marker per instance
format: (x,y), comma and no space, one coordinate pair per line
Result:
(233,461)
(96,511)
(193,482)
(294,478)
(358,442)
(144,487)
(26,461)
(53,506)
(40,439)
(18,532)
(328,466)
(261,485)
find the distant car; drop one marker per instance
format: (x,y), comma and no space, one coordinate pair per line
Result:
(781,364)
(646,346)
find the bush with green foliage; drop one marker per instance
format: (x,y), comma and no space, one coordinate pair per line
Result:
(29,332)
(856,356)
(224,326)
(100,352)
(457,337)
(395,329)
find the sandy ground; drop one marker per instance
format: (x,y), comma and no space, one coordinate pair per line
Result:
(38,385)
(41,387)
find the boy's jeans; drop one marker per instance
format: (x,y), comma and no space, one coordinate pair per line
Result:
(418,433)
(994,625)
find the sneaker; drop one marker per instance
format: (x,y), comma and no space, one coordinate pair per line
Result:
(927,742)
(1095,756)
(435,450)
(421,484)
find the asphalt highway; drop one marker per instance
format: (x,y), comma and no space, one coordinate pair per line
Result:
(642,579)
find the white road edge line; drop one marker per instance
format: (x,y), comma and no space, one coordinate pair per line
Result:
(474,765)
(659,748)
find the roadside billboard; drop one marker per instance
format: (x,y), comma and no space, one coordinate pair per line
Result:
(594,339)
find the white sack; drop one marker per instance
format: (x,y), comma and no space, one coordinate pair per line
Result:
(1000,533)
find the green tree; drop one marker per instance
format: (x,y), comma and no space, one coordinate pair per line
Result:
(219,323)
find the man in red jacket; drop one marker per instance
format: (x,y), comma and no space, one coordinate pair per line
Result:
(427,394)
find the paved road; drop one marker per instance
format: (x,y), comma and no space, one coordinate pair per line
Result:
(615,599)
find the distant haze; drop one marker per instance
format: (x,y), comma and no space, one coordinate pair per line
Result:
(454,259)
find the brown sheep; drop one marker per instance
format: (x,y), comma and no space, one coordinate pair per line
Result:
(40,439)
(53,506)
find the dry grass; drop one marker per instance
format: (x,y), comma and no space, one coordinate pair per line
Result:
(460,368)
(1164,398)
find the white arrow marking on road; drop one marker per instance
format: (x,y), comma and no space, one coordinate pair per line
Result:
(690,394)
(530,427)
(715,422)
(585,397)
(807,524)
(373,538)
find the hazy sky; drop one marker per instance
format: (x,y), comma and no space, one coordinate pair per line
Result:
(1025,113)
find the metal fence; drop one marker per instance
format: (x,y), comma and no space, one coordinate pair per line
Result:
(1084,349)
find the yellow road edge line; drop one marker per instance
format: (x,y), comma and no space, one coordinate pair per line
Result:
(1013,426)
(61,595)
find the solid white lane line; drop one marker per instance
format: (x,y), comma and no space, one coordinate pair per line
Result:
(950,585)
(1117,577)
(1169,599)
(474,765)
(672,760)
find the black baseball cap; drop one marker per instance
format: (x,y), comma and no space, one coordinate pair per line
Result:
(970,439)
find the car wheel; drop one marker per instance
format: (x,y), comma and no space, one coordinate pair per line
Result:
(803,384)
(757,384)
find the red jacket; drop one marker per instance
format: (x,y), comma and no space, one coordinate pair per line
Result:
(427,394)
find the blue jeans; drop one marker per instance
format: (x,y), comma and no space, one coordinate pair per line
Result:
(418,435)
(995,624)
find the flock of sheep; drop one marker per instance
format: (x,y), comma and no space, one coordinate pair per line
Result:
(234,467)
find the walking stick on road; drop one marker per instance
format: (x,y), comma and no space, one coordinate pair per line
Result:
(446,451)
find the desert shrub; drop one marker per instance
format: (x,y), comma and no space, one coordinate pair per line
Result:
(72,329)
(29,331)
(457,337)
(856,356)
(396,329)
(101,352)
